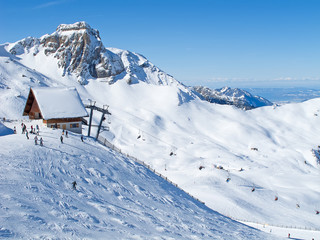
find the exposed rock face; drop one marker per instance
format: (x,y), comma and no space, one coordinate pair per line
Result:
(79,50)
(232,96)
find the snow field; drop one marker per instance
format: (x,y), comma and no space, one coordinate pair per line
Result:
(115,197)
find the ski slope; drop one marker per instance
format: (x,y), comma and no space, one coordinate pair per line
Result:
(115,197)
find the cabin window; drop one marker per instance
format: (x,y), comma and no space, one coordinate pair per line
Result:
(74,125)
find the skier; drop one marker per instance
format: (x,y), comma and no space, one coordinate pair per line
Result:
(37,127)
(36,140)
(81,138)
(63,132)
(66,133)
(61,139)
(14,130)
(74,185)
(253,189)
(41,141)
(27,135)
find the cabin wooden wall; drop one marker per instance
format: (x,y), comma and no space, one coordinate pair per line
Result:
(35,111)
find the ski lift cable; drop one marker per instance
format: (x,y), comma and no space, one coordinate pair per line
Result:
(160,140)
(173,147)
(146,133)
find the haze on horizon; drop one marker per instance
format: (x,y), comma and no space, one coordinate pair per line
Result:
(268,43)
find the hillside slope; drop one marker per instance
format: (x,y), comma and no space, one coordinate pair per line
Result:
(115,197)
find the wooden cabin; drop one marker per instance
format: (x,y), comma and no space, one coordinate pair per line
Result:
(58,107)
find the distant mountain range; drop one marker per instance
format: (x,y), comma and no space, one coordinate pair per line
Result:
(232,96)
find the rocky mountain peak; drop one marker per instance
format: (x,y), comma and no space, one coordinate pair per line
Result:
(79,51)
(78,26)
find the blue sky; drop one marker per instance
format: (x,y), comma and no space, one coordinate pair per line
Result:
(241,43)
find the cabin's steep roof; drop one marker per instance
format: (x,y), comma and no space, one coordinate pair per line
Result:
(59,102)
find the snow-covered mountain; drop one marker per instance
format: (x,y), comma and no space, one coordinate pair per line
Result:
(269,149)
(77,49)
(232,96)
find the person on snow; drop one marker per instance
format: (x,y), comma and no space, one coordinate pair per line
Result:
(63,132)
(61,139)
(74,185)
(14,130)
(81,138)
(41,141)
(36,140)
(27,135)
(66,133)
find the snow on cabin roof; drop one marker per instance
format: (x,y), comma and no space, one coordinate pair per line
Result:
(55,102)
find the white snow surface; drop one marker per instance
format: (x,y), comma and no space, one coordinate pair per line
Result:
(269,149)
(55,102)
(115,198)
